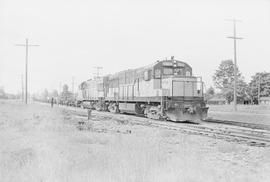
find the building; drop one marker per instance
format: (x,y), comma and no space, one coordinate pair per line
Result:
(216,101)
(264,100)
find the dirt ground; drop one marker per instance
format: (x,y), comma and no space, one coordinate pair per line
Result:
(40,143)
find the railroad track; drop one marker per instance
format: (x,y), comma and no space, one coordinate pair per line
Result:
(219,130)
(240,135)
(237,123)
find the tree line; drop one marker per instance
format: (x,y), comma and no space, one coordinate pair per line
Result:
(63,97)
(223,80)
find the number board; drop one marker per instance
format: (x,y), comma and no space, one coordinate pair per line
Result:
(167,63)
(181,64)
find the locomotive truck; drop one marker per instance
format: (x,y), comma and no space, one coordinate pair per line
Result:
(163,90)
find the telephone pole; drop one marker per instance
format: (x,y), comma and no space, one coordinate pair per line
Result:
(73,85)
(259,89)
(60,87)
(26,45)
(234,37)
(22,88)
(98,72)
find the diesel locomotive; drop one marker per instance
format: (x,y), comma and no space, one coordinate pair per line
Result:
(163,90)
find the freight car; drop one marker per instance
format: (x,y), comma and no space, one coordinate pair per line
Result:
(163,90)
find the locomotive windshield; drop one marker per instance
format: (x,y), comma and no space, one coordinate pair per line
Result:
(168,71)
(172,67)
(176,71)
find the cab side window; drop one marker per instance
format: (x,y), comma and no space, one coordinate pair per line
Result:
(188,73)
(168,71)
(146,75)
(157,73)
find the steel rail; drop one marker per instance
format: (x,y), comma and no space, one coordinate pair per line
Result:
(224,131)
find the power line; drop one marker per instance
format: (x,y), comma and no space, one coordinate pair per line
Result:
(234,37)
(26,45)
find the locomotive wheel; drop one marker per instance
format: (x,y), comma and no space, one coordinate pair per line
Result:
(113,108)
(153,116)
(153,113)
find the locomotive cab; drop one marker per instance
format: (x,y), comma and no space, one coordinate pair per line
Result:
(181,92)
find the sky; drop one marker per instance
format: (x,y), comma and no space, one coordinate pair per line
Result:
(77,35)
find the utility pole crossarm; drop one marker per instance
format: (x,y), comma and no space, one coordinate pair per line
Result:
(240,38)
(233,20)
(19,44)
(25,45)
